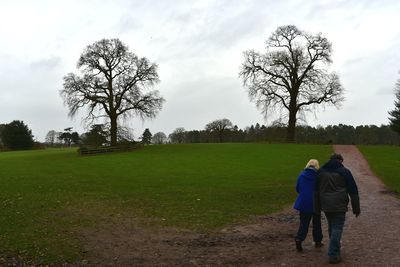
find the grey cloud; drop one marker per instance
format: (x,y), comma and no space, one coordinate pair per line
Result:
(127,23)
(385,91)
(46,63)
(216,29)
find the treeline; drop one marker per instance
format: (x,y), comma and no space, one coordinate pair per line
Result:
(17,136)
(332,134)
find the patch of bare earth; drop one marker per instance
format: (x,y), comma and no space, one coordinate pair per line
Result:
(372,239)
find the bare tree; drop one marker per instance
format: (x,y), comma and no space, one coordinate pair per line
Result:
(159,138)
(220,127)
(51,137)
(112,85)
(292,76)
(178,135)
(146,137)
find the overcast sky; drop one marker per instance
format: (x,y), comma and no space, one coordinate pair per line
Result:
(198,46)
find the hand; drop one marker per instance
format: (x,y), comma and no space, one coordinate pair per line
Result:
(357,214)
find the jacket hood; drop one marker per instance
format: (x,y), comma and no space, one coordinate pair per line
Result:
(332,165)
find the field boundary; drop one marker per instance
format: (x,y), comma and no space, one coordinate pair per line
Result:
(84,151)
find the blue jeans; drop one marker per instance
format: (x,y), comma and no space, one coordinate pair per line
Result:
(335,229)
(305,219)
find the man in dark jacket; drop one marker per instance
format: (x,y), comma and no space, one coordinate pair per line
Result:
(335,184)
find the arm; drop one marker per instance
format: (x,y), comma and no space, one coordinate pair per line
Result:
(298,185)
(352,190)
(317,200)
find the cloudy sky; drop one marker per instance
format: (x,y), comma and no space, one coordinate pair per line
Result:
(198,46)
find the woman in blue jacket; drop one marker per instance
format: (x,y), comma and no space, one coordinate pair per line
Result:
(304,204)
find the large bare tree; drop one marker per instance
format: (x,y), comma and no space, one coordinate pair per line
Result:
(114,83)
(220,127)
(292,76)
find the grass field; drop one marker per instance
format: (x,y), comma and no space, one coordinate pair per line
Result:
(44,195)
(385,162)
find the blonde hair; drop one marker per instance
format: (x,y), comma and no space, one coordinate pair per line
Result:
(312,163)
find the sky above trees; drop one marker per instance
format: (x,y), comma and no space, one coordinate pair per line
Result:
(199,47)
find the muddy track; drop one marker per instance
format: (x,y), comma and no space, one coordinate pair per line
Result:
(372,239)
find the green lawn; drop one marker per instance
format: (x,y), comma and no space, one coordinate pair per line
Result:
(202,187)
(385,162)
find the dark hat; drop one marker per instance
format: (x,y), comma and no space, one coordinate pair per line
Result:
(337,156)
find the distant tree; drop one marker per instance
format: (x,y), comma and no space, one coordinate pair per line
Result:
(395,113)
(159,138)
(17,136)
(124,134)
(69,137)
(1,130)
(292,75)
(219,127)
(196,136)
(75,139)
(146,136)
(113,85)
(97,136)
(51,137)
(178,135)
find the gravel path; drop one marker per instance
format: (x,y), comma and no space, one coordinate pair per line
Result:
(372,239)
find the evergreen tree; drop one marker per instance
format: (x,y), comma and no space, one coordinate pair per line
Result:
(97,136)
(146,137)
(17,136)
(69,137)
(395,114)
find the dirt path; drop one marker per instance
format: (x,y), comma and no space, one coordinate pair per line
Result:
(373,239)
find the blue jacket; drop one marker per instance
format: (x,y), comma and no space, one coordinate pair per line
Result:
(305,187)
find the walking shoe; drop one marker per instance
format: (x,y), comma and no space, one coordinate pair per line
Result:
(335,260)
(318,244)
(299,248)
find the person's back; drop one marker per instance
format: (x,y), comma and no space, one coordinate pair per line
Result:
(304,204)
(334,185)
(304,187)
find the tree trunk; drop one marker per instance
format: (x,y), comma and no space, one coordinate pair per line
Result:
(113,130)
(291,130)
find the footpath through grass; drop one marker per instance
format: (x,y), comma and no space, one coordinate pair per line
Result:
(46,195)
(385,162)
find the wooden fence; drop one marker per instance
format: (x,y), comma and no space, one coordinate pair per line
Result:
(85,151)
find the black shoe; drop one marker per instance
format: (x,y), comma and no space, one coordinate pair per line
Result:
(319,244)
(299,248)
(335,260)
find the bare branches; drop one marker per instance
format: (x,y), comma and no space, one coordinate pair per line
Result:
(292,74)
(143,105)
(329,91)
(112,84)
(219,125)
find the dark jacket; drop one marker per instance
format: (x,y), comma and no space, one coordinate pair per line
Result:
(334,185)
(305,187)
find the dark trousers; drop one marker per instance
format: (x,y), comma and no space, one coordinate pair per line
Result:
(305,219)
(335,229)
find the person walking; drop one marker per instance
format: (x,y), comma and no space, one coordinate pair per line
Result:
(306,183)
(334,185)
